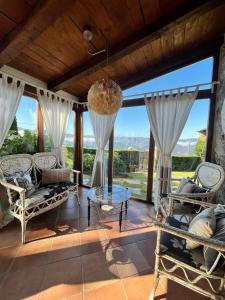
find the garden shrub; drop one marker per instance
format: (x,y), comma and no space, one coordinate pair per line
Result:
(185,163)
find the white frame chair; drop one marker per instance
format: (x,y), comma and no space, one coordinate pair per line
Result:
(215,282)
(208,175)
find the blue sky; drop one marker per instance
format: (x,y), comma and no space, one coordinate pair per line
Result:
(134,121)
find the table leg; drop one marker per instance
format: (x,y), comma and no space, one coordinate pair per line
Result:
(126,205)
(121,216)
(89,212)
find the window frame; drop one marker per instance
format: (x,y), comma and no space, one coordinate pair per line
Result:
(203,94)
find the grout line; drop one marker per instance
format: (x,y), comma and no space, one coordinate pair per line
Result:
(121,281)
(82,271)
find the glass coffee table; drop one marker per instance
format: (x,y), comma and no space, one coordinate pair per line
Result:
(107,198)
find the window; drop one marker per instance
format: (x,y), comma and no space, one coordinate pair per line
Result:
(131,147)
(89,149)
(22,136)
(68,146)
(190,149)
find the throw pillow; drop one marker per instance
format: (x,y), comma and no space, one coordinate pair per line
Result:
(204,224)
(50,176)
(24,180)
(185,186)
(213,258)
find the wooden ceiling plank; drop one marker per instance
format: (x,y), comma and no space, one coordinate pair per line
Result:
(136,41)
(182,59)
(44,13)
(6,25)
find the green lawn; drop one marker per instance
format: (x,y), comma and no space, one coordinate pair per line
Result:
(137,182)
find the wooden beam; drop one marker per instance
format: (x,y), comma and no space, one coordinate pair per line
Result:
(151,156)
(40,128)
(110,159)
(135,41)
(43,15)
(78,144)
(202,94)
(212,110)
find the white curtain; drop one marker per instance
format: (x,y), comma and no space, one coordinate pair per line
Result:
(102,126)
(56,111)
(11,91)
(167,116)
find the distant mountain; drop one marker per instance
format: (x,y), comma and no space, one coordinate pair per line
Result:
(183,147)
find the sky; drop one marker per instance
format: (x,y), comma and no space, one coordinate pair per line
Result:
(133,122)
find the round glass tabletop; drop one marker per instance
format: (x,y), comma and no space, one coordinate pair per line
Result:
(109,194)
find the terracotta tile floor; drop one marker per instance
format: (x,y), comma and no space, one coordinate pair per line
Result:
(63,259)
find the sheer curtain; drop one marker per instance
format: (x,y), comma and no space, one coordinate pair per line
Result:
(56,111)
(167,116)
(11,91)
(10,95)
(102,127)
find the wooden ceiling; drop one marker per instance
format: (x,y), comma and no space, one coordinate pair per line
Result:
(145,37)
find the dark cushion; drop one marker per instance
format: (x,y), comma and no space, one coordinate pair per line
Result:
(176,246)
(55,189)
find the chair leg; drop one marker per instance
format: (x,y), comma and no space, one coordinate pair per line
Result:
(77,196)
(23,228)
(155,285)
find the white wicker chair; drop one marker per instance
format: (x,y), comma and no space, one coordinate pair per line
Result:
(23,208)
(174,268)
(207,175)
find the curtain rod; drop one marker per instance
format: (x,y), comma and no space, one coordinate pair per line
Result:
(41,88)
(169,91)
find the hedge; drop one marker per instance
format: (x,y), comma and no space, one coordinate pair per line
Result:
(185,163)
(126,161)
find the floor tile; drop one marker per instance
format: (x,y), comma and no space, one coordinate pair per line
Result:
(33,254)
(7,255)
(129,260)
(113,291)
(99,270)
(139,288)
(62,279)
(25,284)
(64,247)
(147,248)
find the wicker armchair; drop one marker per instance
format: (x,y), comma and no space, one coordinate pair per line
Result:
(183,272)
(44,198)
(207,175)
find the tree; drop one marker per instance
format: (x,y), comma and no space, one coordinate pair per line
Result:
(14,126)
(200,148)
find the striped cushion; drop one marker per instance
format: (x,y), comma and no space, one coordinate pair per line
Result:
(50,176)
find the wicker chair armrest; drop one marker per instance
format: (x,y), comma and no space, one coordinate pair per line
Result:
(211,243)
(12,187)
(181,198)
(171,179)
(195,195)
(75,171)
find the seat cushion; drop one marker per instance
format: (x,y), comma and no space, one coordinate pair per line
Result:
(46,192)
(203,224)
(213,258)
(176,246)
